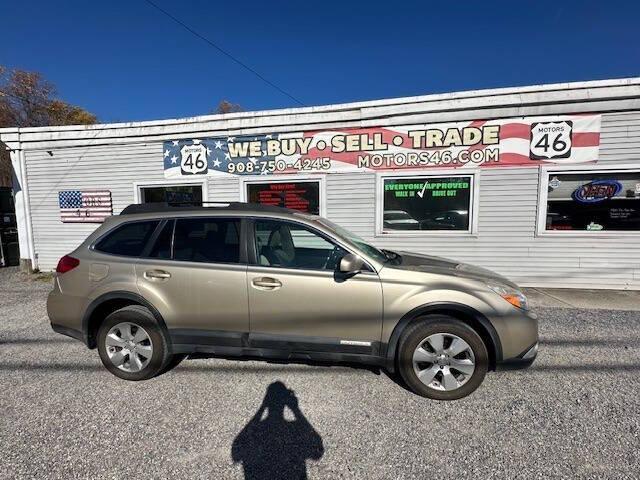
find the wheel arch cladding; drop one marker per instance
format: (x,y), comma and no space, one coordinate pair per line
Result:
(108,303)
(464,313)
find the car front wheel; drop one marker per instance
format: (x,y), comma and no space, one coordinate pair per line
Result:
(442,358)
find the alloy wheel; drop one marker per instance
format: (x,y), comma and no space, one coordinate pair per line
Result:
(444,361)
(129,347)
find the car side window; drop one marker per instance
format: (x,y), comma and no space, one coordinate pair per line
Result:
(209,240)
(162,246)
(128,239)
(290,245)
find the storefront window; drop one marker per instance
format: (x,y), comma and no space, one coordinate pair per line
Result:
(427,203)
(301,196)
(172,194)
(593,201)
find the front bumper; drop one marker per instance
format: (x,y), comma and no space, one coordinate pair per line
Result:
(524,360)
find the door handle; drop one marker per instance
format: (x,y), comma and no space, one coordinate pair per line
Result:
(156,275)
(266,283)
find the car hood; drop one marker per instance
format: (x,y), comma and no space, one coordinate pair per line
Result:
(444,266)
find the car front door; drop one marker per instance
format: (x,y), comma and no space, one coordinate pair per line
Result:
(298,301)
(195,273)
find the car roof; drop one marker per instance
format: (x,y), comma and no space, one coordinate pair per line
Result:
(154,210)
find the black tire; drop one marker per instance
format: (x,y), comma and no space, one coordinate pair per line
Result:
(417,332)
(175,360)
(142,317)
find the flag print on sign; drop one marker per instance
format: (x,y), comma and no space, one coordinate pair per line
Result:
(216,156)
(509,142)
(85,206)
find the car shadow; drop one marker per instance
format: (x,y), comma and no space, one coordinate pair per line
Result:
(41,341)
(274,447)
(589,342)
(187,367)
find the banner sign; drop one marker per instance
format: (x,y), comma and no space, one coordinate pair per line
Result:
(493,143)
(84,206)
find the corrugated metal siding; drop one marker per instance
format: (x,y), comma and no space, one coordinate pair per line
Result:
(506,240)
(115,168)
(222,189)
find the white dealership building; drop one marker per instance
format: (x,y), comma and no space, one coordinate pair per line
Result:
(539,183)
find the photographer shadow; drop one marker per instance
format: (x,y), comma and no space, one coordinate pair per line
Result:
(274,447)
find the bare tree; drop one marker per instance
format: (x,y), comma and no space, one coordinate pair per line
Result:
(225,106)
(28,100)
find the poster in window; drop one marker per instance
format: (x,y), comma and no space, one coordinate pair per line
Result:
(301,196)
(427,203)
(606,201)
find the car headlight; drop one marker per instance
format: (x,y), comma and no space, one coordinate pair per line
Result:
(513,296)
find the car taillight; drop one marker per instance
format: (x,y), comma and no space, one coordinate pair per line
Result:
(67,263)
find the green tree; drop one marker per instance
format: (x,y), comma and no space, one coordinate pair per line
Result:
(28,100)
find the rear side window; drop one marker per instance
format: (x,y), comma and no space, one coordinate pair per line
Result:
(211,240)
(162,247)
(128,239)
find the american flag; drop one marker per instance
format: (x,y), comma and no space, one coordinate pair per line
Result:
(85,206)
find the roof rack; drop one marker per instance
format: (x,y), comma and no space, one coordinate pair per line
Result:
(159,207)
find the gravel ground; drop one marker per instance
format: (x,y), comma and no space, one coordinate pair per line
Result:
(575,413)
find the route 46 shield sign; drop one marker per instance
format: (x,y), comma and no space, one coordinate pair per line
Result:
(550,140)
(193,159)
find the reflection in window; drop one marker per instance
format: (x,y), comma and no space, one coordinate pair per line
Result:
(172,194)
(427,203)
(593,201)
(162,246)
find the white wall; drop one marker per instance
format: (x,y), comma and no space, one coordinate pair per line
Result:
(506,240)
(116,156)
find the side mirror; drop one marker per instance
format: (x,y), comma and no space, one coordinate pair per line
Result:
(350,264)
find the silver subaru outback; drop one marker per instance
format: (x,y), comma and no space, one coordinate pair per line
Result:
(157,283)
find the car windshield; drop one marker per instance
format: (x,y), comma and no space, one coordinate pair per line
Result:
(379,255)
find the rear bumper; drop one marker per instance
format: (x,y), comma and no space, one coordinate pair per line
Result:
(524,360)
(64,314)
(69,332)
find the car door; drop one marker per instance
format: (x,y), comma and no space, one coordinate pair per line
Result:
(296,299)
(195,274)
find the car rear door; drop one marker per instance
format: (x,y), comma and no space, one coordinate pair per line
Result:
(194,271)
(296,299)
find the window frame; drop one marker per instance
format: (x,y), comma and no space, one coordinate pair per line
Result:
(138,186)
(252,253)
(293,178)
(474,201)
(541,216)
(154,239)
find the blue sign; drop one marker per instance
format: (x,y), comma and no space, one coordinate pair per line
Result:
(596,191)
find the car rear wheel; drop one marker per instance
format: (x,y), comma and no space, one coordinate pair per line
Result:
(132,345)
(442,358)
